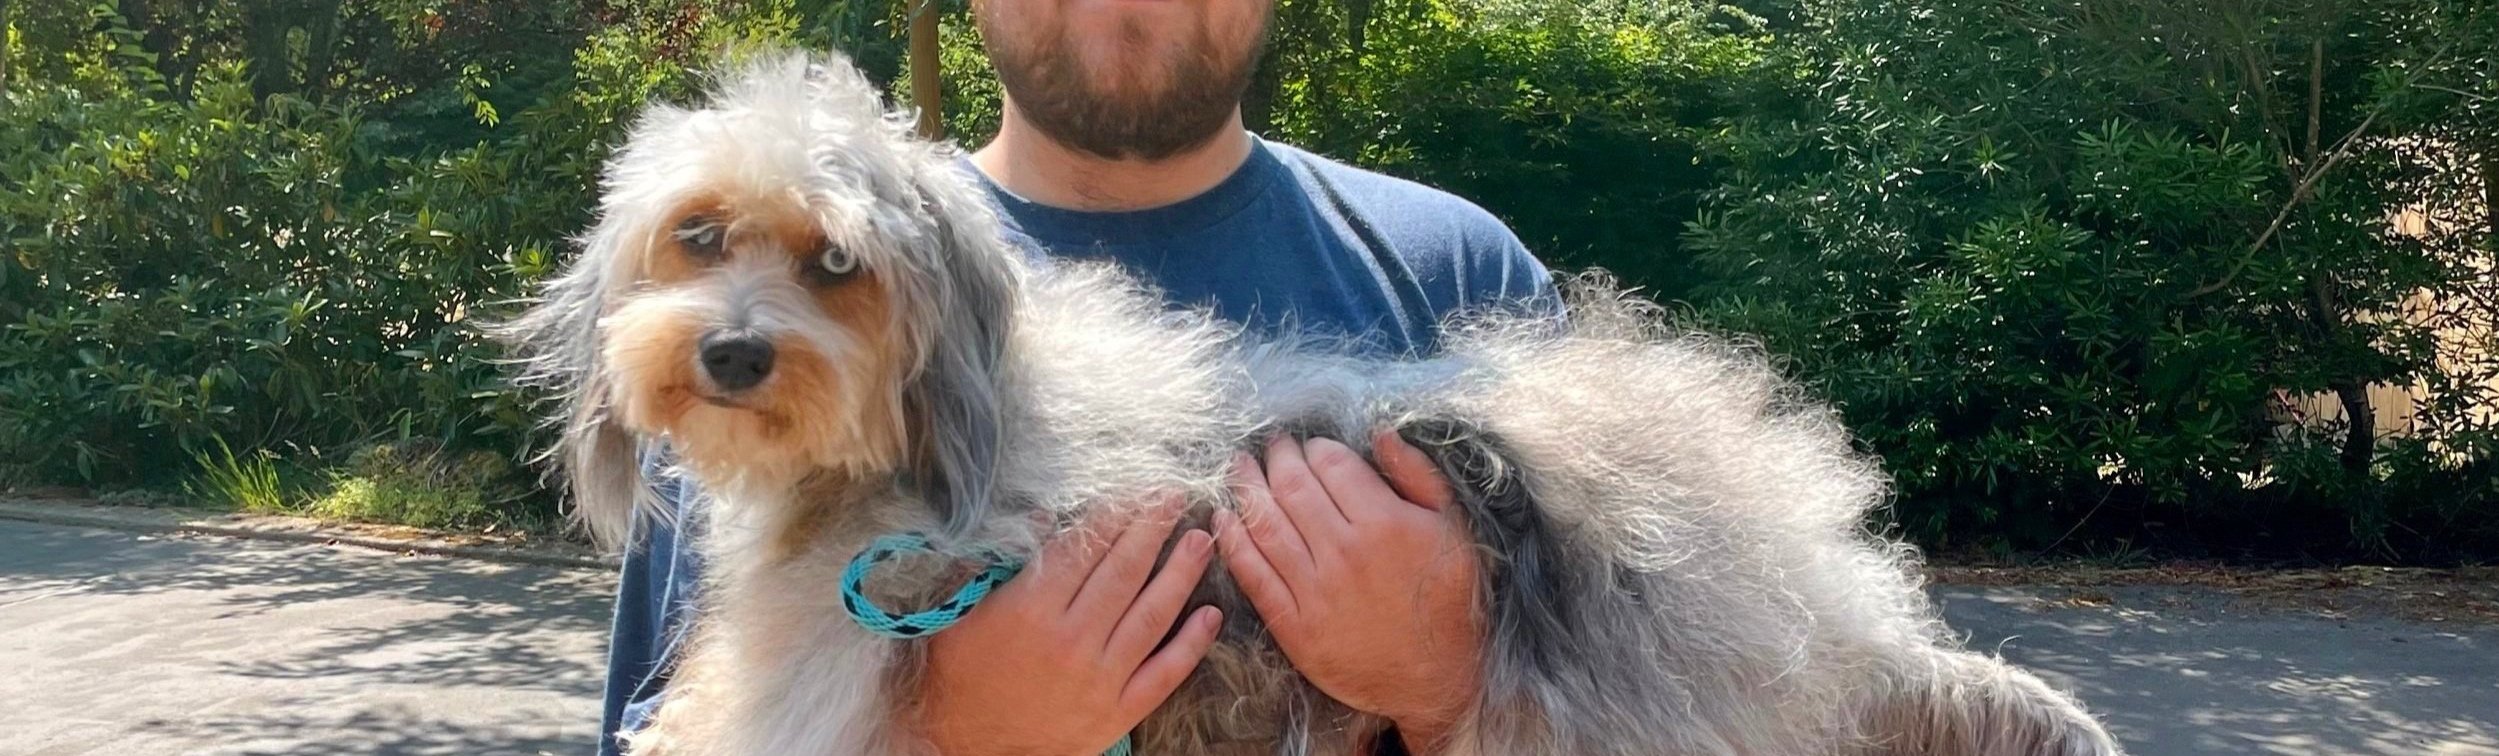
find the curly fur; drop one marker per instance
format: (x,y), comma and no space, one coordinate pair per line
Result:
(1678,562)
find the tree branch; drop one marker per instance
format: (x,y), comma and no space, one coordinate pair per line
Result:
(2468,96)
(925,81)
(2299,194)
(2316,98)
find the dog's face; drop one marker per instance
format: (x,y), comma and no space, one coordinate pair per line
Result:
(760,332)
(781,283)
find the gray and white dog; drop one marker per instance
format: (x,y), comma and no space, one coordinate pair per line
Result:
(818,315)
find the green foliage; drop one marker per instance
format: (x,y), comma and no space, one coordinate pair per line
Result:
(2055,260)
(249,483)
(191,261)
(413,484)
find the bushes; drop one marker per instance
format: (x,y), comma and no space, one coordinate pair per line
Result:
(2068,269)
(413,484)
(197,273)
(130,341)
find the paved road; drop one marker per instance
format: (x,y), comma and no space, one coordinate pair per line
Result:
(2174,671)
(115,643)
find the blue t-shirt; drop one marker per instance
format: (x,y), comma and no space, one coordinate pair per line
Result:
(1290,239)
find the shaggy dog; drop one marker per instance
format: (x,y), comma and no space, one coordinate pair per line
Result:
(818,316)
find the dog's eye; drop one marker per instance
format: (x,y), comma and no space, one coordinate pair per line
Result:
(834,263)
(701,237)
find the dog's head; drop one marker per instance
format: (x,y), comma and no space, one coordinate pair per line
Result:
(782,283)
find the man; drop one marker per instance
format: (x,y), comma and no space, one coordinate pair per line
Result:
(1122,140)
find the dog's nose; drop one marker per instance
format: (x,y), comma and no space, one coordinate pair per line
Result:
(736,360)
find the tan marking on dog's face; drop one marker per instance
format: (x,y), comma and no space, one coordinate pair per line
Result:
(846,419)
(645,346)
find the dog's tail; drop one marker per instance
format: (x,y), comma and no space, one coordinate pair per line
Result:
(1966,704)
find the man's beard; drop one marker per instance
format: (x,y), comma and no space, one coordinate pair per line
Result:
(1049,85)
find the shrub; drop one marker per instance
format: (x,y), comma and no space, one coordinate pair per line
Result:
(2063,266)
(189,262)
(413,484)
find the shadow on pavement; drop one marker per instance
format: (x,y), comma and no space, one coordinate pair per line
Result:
(388,732)
(489,602)
(176,644)
(2171,672)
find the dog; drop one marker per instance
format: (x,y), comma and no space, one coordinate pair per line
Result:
(817,315)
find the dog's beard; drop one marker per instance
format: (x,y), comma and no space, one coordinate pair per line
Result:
(1182,105)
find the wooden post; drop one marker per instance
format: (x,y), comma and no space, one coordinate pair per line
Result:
(925,82)
(2490,192)
(4,46)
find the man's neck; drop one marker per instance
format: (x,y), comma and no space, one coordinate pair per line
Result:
(1036,168)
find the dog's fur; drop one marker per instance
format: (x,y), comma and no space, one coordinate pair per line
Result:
(1677,557)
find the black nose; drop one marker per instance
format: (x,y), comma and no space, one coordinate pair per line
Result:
(736,360)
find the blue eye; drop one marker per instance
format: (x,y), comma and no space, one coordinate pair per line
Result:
(836,261)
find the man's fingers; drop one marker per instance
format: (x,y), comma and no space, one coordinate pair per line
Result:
(1266,524)
(1267,591)
(1349,481)
(1065,561)
(1115,582)
(1150,617)
(1298,492)
(1163,672)
(1412,472)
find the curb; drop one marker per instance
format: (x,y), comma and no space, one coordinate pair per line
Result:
(69,514)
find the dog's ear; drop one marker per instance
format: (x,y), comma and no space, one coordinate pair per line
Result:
(955,400)
(558,349)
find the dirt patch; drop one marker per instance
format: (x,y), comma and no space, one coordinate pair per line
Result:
(2460,595)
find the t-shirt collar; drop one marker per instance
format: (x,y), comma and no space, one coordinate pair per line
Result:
(1061,225)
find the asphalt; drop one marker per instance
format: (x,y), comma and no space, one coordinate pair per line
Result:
(114,642)
(2182,671)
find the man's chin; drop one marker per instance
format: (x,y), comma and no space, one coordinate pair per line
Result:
(1082,8)
(1130,145)
(1107,20)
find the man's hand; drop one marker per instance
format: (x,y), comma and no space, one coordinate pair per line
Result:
(1061,661)
(1369,585)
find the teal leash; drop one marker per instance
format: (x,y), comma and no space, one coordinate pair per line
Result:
(996,569)
(905,626)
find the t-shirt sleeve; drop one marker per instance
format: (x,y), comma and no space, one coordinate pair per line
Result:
(1493,269)
(1504,274)
(1461,257)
